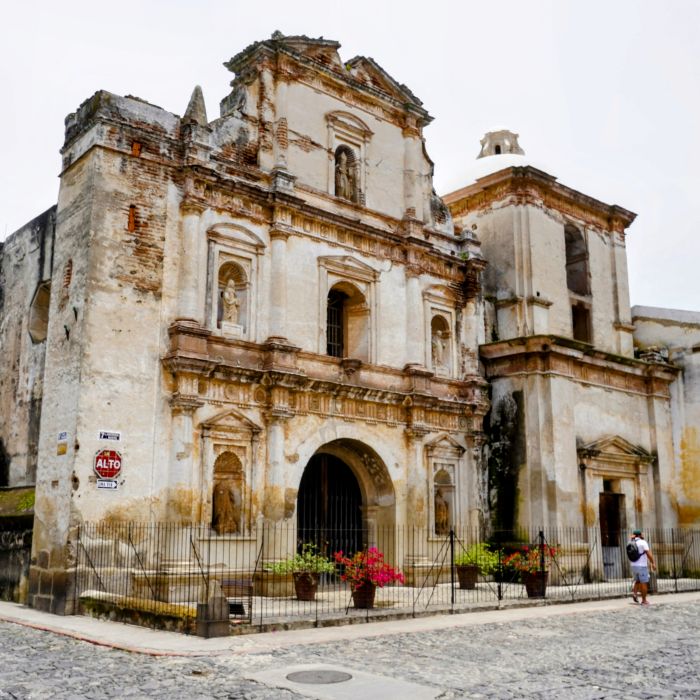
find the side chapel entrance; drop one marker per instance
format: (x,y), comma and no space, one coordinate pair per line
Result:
(611,515)
(329,506)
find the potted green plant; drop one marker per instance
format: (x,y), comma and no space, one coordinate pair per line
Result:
(365,571)
(305,567)
(477,559)
(529,561)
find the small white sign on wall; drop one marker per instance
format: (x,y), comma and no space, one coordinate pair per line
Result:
(106,484)
(114,435)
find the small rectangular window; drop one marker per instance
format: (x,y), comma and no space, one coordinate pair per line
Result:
(334,324)
(136,148)
(131,226)
(581,322)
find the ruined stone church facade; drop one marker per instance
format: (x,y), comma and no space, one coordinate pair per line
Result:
(247,307)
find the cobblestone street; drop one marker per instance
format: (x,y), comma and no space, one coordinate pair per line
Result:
(627,652)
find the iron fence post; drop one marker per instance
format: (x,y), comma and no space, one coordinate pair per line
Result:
(541,539)
(452,568)
(499,588)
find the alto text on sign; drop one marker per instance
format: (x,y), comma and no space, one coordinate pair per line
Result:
(108,464)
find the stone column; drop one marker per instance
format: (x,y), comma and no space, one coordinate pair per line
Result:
(415,323)
(411,177)
(187,304)
(281,139)
(280,533)
(181,472)
(278,285)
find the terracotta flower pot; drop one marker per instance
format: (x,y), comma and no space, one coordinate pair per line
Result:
(468,575)
(305,585)
(363,595)
(535,583)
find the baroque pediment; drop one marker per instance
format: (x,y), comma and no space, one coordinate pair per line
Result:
(231,421)
(614,446)
(235,234)
(444,443)
(367,71)
(349,266)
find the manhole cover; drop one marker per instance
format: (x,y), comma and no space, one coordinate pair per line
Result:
(319,676)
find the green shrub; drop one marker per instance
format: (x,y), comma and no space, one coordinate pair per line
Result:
(308,560)
(480,555)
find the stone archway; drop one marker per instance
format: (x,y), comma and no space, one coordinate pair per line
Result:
(346,499)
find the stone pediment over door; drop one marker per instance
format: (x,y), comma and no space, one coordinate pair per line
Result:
(446,445)
(229,424)
(614,456)
(349,267)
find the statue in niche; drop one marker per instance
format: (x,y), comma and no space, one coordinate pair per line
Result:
(442,514)
(231,303)
(224,508)
(438,346)
(345,185)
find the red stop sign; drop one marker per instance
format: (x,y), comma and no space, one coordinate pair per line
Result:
(108,464)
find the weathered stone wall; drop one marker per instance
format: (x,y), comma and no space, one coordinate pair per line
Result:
(152,208)
(25,262)
(579,421)
(526,278)
(674,335)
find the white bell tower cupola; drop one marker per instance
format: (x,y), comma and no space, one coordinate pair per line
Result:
(499,142)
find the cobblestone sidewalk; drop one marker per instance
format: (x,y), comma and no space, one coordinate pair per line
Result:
(625,653)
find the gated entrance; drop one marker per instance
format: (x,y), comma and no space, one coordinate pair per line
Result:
(329,506)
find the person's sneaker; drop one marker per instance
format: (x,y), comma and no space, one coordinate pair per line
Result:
(634,597)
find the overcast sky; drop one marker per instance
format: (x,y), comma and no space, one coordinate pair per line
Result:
(605,95)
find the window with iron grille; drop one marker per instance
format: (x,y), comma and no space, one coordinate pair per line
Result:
(334,323)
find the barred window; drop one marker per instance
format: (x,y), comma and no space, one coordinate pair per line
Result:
(335,322)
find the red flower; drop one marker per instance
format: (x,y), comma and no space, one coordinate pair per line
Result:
(367,567)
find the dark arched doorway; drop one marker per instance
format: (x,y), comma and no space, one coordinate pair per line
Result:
(329,506)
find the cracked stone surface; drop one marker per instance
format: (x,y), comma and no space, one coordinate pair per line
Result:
(626,653)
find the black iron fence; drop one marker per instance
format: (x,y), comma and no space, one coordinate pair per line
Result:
(190,579)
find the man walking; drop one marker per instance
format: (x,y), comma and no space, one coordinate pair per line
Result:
(640,567)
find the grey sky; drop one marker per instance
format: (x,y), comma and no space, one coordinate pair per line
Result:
(604,95)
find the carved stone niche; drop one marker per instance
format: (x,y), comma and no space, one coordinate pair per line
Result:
(444,457)
(230,443)
(233,284)
(348,137)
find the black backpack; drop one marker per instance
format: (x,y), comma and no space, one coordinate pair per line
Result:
(633,552)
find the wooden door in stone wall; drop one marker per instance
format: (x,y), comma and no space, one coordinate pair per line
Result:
(610,513)
(329,506)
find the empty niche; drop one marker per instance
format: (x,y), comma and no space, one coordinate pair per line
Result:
(39,313)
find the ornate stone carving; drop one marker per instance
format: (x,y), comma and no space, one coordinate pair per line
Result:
(442,514)
(231,303)
(225,512)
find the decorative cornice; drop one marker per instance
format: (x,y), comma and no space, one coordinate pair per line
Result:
(580,362)
(528,185)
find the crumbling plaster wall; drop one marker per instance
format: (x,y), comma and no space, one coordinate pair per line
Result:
(25,261)
(132,285)
(525,248)
(557,416)
(676,334)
